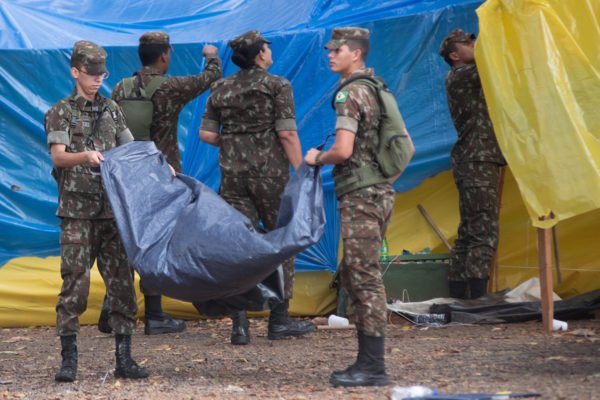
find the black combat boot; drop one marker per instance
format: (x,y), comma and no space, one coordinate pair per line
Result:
(281,326)
(478,287)
(68,368)
(458,289)
(103,324)
(369,368)
(126,367)
(157,322)
(359,358)
(240,331)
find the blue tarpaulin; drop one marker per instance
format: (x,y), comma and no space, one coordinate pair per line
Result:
(186,242)
(36,38)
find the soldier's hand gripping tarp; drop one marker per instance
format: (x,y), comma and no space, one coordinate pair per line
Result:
(188,243)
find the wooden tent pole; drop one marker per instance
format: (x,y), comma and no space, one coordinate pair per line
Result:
(546,282)
(434,227)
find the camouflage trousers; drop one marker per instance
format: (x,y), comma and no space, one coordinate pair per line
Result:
(82,242)
(365,215)
(477,241)
(258,199)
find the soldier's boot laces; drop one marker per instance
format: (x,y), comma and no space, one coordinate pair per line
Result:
(240,330)
(369,368)
(103,324)
(68,368)
(126,367)
(281,326)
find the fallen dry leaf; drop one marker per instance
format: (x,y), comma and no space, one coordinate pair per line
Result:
(581,332)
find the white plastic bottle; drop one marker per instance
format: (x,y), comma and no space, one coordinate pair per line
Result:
(409,392)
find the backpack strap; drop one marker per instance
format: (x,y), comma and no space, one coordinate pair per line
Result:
(129,86)
(152,86)
(374,82)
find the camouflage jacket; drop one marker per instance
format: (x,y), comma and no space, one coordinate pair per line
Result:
(71,122)
(357,110)
(476,139)
(248,108)
(169,99)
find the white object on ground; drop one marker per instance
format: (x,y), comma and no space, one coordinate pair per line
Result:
(335,322)
(558,325)
(409,392)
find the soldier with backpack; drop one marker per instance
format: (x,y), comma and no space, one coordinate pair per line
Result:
(370,134)
(151,103)
(80,128)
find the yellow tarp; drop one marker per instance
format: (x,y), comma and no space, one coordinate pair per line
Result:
(29,286)
(539,62)
(579,252)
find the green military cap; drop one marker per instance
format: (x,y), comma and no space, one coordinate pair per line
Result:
(340,36)
(247,39)
(456,36)
(89,55)
(157,37)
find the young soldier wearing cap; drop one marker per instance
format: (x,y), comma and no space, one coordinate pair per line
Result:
(171,95)
(476,166)
(251,116)
(80,128)
(365,211)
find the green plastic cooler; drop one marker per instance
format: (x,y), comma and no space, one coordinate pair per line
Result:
(416,277)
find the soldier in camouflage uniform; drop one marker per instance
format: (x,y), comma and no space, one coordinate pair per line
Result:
(365,211)
(476,166)
(168,100)
(251,116)
(80,128)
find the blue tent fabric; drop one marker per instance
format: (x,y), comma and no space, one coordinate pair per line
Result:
(35,41)
(186,242)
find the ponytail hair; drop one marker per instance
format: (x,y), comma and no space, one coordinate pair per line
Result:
(244,57)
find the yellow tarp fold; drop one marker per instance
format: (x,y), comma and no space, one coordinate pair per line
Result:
(539,62)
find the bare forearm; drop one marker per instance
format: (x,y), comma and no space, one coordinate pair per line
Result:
(212,138)
(338,153)
(62,159)
(333,156)
(291,146)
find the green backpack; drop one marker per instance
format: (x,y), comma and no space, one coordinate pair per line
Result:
(137,105)
(394,149)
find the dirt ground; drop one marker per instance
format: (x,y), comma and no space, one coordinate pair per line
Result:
(200,363)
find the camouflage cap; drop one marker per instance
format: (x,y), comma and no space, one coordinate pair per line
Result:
(157,37)
(89,55)
(456,36)
(340,36)
(247,39)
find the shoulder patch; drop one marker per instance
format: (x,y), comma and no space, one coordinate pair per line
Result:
(342,96)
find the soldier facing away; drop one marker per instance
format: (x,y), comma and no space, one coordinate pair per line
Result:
(168,95)
(251,116)
(476,166)
(365,207)
(79,129)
